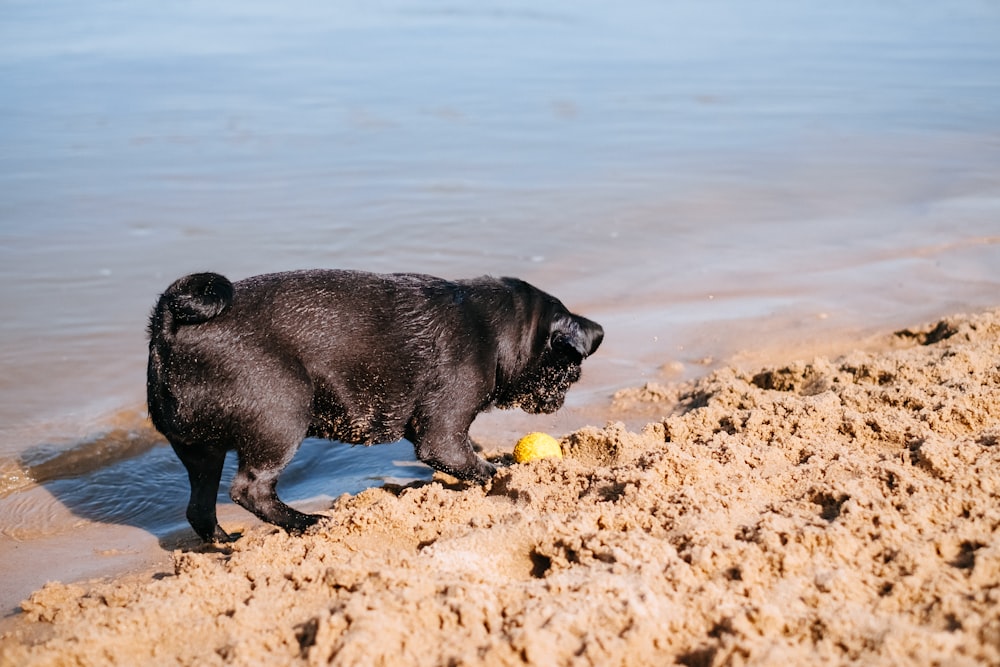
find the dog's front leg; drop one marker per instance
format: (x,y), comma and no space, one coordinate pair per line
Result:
(451,451)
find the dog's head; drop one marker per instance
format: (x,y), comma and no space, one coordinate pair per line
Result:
(553,344)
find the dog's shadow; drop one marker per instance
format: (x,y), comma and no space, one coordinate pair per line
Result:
(149,489)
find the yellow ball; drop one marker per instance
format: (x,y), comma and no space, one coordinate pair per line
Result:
(536,446)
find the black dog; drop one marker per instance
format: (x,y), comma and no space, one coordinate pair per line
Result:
(260,364)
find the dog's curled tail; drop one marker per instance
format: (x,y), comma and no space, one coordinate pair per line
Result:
(190,300)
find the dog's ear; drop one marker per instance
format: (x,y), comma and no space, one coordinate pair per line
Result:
(577,333)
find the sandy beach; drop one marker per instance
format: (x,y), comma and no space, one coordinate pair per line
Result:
(781,454)
(830,510)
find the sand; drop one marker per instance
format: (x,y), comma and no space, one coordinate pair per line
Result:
(829,511)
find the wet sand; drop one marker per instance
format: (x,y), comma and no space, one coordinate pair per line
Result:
(830,510)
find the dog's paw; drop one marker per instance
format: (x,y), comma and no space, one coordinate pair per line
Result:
(222,537)
(484,472)
(218,536)
(300,523)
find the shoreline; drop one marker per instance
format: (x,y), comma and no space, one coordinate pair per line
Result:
(126,548)
(831,510)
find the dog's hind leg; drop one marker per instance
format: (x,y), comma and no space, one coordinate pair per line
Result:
(204,468)
(253,488)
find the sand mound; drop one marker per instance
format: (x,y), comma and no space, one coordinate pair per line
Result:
(822,512)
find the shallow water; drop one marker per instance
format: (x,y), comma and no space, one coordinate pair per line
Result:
(700,177)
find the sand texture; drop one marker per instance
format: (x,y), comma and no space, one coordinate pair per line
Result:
(825,512)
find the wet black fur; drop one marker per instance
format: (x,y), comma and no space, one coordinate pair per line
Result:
(260,364)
